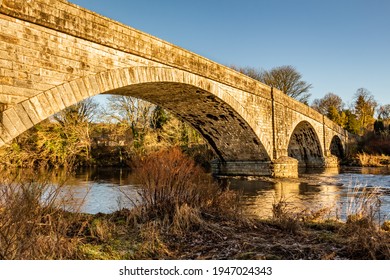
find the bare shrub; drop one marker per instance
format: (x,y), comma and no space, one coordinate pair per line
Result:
(170,179)
(284,216)
(175,190)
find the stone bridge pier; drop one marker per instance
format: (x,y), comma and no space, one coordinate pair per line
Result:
(54,54)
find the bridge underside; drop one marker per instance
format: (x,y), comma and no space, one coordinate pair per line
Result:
(225,130)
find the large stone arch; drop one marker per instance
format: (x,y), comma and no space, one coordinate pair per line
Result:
(305,146)
(222,121)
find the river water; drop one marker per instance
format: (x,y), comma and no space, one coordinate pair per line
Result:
(339,191)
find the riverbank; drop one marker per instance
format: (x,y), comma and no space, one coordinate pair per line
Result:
(213,228)
(192,235)
(181,213)
(370,160)
(286,239)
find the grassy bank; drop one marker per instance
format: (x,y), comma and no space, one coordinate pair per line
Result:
(258,239)
(183,214)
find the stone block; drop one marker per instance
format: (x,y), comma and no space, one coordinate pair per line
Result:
(55,99)
(21,112)
(284,167)
(331,161)
(46,105)
(9,127)
(15,120)
(31,112)
(39,109)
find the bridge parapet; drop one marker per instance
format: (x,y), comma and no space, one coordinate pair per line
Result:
(333,126)
(294,105)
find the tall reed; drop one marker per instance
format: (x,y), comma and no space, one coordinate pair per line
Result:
(364,238)
(364,205)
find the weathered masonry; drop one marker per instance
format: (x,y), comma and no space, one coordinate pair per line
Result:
(54,54)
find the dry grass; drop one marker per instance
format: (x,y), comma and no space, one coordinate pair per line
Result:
(363,206)
(284,216)
(33,224)
(184,215)
(362,236)
(37,221)
(194,230)
(370,160)
(152,244)
(199,231)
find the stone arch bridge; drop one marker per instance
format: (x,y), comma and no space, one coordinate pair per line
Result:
(54,54)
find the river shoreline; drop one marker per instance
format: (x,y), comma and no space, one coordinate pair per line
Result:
(192,233)
(183,215)
(284,239)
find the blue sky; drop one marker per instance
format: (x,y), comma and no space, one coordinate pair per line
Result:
(337,45)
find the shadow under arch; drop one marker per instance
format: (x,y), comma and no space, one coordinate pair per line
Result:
(336,147)
(305,146)
(201,102)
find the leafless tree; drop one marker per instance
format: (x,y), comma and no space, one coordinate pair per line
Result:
(384,112)
(324,105)
(131,112)
(285,78)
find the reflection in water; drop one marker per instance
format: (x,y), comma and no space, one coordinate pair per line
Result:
(109,189)
(102,190)
(259,195)
(313,190)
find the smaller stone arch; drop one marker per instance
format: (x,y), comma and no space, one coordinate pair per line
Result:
(305,146)
(336,147)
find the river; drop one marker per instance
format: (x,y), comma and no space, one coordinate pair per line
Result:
(339,191)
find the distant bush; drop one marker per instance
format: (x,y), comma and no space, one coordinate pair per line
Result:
(375,143)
